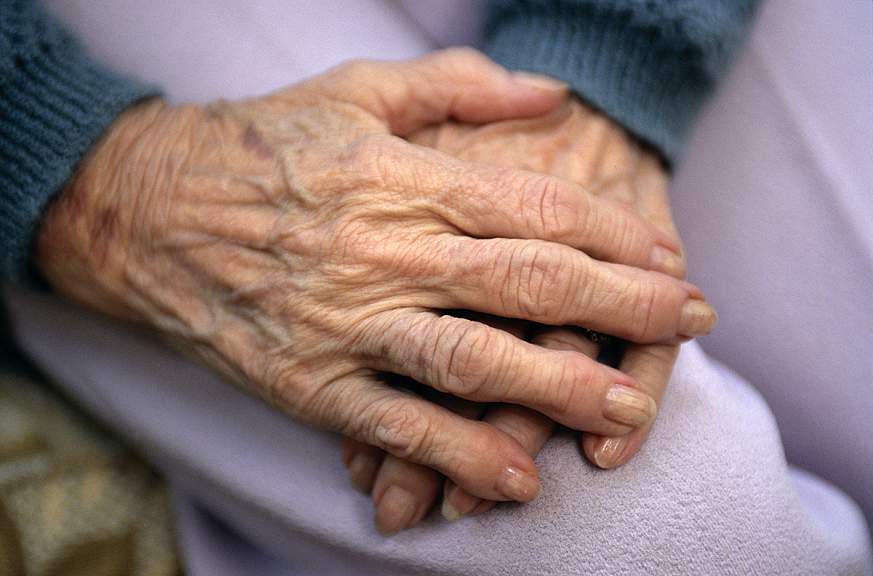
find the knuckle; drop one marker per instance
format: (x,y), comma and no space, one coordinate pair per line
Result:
(621,236)
(546,210)
(401,429)
(628,240)
(540,281)
(645,317)
(591,302)
(591,221)
(561,389)
(403,339)
(626,237)
(466,358)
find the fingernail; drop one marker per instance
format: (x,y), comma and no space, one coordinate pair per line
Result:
(395,511)
(518,486)
(449,512)
(540,81)
(362,469)
(457,503)
(697,318)
(667,261)
(608,451)
(627,405)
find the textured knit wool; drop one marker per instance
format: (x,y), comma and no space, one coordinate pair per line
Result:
(54,104)
(648,64)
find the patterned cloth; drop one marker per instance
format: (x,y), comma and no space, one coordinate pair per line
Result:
(72,501)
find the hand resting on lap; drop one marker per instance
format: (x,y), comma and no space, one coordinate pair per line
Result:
(299,245)
(581,145)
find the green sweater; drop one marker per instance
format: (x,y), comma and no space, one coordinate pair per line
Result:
(649,64)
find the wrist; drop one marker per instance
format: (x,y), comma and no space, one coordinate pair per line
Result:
(83,240)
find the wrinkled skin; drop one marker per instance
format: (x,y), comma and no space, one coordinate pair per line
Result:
(298,244)
(581,145)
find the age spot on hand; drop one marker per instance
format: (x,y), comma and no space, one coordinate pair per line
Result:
(251,140)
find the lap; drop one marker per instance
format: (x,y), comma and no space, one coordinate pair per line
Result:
(710,492)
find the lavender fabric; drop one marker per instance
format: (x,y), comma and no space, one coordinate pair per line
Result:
(710,493)
(775,204)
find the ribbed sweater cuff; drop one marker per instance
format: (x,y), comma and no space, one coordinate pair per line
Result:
(652,87)
(53,107)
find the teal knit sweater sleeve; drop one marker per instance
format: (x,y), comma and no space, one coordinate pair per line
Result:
(648,64)
(54,104)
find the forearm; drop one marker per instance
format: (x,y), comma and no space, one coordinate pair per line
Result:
(54,104)
(649,66)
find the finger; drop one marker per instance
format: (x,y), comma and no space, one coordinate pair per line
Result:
(514,327)
(485,202)
(474,361)
(553,284)
(362,462)
(489,202)
(566,338)
(644,188)
(651,200)
(530,429)
(475,455)
(404,491)
(651,366)
(458,83)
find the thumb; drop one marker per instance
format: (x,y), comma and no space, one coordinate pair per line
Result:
(458,83)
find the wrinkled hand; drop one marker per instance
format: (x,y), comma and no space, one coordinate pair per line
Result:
(298,244)
(583,146)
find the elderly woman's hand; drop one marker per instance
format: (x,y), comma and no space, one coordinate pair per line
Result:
(296,243)
(581,145)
